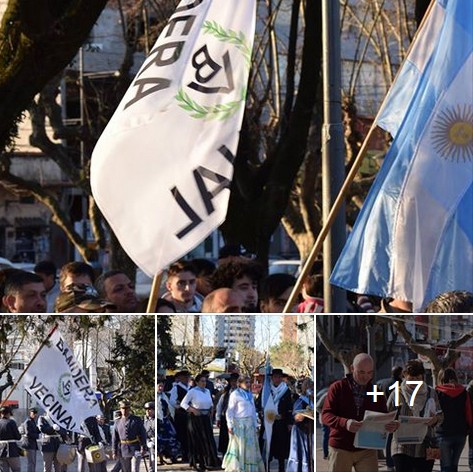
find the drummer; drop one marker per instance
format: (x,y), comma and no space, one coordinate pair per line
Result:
(93,440)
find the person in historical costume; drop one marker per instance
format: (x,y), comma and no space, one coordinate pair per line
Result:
(222,406)
(129,439)
(176,395)
(30,439)
(52,436)
(9,434)
(202,448)
(168,445)
(91,437)
(281,430)
(243,453)
(301,456)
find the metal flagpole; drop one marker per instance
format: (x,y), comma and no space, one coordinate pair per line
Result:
(154,295)
(333,152)
(29,364)
(344,190)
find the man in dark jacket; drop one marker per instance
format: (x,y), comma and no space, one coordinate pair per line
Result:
(176,395)
(31,432)
(222,406)
(343,412)
(52,436)
(281,435)
(129,439)
(9,452)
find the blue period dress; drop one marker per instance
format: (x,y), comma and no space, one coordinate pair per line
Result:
(301,456)
(167,443)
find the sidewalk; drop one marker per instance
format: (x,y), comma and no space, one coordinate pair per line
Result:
(321,465)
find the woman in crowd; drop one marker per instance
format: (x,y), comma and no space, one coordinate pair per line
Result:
(243,454)
(413,457)
(199,405)
(458,419)
(168,445)
(301,457)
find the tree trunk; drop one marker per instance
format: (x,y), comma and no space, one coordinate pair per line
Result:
(260,195)
(37,41)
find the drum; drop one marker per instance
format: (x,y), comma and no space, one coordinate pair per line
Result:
(66,454)
(95,454)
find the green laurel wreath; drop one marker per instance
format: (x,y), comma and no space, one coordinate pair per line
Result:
(221,111)
(229,36)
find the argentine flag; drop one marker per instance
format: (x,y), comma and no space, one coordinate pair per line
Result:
(413,238)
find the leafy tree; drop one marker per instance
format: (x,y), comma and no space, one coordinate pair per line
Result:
(136,358)
(289,355)
(165,352)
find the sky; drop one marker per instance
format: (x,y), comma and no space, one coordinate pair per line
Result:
(268,328)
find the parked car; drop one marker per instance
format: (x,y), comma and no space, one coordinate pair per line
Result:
(284,266)
(7,264)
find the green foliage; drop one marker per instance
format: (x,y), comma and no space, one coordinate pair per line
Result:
(136,358)
(81,325)
(166,354)
(289,356)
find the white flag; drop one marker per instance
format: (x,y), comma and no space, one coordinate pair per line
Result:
(161,170)
(58,383)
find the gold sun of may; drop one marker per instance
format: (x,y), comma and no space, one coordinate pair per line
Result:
(452,133)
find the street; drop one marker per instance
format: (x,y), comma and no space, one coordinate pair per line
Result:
(74,466)
(185,467)
(322,465)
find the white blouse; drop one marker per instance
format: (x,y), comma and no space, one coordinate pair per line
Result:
(173,394)
(240,405)
(197,398)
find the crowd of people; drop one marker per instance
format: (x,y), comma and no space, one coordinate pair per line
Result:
(447,410)
(131,440)
(189,408)
(236,284)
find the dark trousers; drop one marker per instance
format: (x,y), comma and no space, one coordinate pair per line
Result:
(325,438)
(470,452)
(389,459)
(405,463)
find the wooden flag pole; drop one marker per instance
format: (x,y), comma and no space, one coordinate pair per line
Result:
(344,190)
(328,224)
(154,295)
(29,364)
